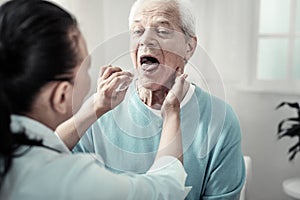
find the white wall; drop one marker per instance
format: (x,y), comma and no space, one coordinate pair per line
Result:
(89,15)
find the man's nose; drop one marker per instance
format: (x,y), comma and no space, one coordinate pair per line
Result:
(148,38)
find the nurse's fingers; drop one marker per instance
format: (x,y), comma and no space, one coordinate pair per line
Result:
(107,71)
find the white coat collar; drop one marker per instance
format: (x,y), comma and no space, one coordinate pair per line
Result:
(37,130)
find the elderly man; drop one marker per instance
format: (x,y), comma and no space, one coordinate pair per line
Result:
(162,41)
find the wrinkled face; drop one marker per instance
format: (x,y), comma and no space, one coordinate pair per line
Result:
(158,44)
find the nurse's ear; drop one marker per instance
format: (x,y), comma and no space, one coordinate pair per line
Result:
(61,98)
(191,44)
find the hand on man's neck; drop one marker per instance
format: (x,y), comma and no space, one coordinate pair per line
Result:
(154,99)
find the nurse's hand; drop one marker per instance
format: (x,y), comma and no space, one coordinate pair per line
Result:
(171,139)
(171,104)
(111,88)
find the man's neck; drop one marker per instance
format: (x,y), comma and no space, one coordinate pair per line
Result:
(154,99)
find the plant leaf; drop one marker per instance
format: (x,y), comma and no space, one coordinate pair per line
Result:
(286,120)
(293,105)
(292,132)
(296,147)
(293,156)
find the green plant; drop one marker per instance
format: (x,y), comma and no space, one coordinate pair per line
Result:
(291,131)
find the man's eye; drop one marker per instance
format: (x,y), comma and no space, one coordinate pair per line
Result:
(163,31)
(137,31)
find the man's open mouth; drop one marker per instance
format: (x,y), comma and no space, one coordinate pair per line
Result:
(149,63)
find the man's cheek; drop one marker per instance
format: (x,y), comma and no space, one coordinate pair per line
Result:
(133,59)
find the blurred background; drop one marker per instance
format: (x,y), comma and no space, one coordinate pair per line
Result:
(254,45)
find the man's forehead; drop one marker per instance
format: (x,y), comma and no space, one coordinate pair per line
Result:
(157,12)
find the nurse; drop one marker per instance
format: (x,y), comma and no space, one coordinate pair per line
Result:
(42,56)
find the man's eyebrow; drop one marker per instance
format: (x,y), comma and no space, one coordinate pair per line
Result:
(136,21)
(163,22)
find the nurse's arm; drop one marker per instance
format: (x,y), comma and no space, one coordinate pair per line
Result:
(105,99)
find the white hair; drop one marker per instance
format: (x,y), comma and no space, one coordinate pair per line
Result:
(187,17)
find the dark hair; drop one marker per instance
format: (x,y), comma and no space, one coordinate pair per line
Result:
(38,44)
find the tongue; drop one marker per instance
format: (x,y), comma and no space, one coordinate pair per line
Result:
(149,66)
(148,62)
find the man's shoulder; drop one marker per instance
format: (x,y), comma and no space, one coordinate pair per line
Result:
(205,97)
(217,108)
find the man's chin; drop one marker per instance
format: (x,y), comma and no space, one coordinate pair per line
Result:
(151,86)
(154,85)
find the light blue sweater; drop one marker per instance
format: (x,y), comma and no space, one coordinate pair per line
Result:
(128,136)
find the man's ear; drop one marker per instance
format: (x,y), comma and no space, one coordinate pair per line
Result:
(62,97)
(190,47)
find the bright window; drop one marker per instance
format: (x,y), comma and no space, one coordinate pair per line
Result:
(278,42)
